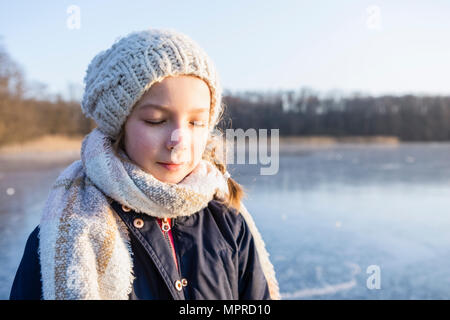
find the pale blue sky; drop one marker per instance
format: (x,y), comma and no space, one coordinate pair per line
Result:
(266,45)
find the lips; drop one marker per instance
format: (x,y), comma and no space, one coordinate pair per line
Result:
(170,163)
(171,166)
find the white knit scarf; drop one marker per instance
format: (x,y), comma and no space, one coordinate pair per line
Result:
(84,246)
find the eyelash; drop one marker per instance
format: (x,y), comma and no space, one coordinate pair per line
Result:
(154,123)
(160,122)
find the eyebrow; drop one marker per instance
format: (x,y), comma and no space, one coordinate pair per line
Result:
(166,109)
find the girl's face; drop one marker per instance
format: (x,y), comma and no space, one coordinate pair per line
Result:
(169,124)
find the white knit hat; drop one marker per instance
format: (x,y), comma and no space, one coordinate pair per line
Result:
(118,77)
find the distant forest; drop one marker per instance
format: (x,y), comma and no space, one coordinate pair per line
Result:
(305,113)
(24,116)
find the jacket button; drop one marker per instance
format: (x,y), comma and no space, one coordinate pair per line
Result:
(138,223)
(125,208)
(178,285)
(184,282)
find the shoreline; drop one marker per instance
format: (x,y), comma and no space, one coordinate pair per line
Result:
(42,153)
(57,149)
(326,140)
(46,143)
(60,143)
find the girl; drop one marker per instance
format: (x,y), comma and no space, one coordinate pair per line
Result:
(149,212)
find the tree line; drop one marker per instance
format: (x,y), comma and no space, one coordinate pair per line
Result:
(408,117)
(294,113)
(24,116)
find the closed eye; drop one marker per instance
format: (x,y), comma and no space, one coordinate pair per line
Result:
(194,123)
(154,122)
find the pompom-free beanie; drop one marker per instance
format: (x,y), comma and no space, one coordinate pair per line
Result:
(117,78)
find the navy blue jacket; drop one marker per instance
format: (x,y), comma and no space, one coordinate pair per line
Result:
(215,251)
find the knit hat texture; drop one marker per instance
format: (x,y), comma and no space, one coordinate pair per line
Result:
(118,77)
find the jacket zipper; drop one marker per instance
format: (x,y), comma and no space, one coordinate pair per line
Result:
(165,228)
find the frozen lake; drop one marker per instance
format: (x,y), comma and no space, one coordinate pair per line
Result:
(328,215)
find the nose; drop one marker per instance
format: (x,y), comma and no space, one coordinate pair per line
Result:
(178,139)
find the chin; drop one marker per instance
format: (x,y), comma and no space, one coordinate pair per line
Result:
(170,178)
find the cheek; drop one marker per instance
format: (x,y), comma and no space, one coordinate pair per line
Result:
(140,141)
(200,144)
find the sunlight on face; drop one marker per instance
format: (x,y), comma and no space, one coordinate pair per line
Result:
(169,124)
